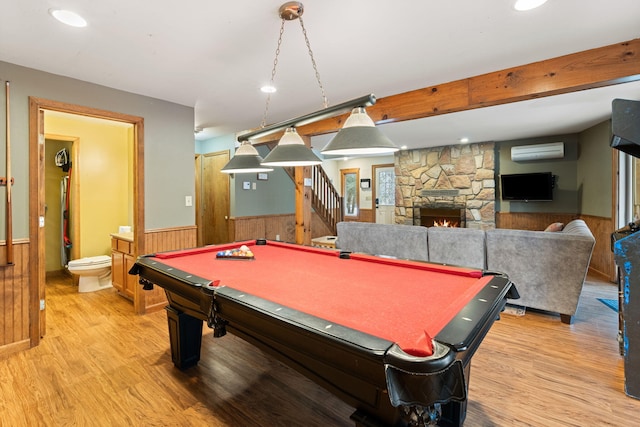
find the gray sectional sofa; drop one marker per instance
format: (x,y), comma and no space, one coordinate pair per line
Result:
(548,268)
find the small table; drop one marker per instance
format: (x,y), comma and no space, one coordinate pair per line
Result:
(324,242)
(392,338)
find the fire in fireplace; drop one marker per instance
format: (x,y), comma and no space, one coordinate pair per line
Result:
(441,217)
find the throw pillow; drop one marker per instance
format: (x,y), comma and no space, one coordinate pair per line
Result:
(556,226)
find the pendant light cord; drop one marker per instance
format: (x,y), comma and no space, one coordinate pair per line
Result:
(325,102)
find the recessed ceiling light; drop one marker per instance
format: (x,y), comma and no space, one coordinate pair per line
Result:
(268,89)
(403,147)
(464,140)
(523,5)
(68,17)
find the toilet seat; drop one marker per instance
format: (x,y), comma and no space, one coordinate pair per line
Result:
(90,263)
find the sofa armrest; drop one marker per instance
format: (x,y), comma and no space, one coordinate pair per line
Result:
(548,268)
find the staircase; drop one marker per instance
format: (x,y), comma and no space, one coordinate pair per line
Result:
(325,199)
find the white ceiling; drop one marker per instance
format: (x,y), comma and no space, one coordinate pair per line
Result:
(214,56)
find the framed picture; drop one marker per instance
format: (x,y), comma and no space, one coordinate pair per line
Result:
(263,176)
(350,192)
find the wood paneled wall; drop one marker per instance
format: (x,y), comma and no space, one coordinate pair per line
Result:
(270,226)
(160,240)
(602,263)
(168,239)
(14,299)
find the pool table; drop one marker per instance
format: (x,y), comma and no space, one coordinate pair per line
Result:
(392,338)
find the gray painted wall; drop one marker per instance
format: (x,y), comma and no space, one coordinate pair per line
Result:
(565,193)
(583,176)
(168,138)
(595,168)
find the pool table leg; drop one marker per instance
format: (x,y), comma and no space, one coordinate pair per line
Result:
(185,335)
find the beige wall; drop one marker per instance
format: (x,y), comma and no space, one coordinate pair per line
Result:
(102,176)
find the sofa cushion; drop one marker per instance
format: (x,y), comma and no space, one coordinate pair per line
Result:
(457,246)
(394,240)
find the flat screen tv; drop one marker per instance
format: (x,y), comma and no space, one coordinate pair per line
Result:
(527,187)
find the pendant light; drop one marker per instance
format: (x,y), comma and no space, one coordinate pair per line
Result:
(359,136)
(246,160)
(291,151)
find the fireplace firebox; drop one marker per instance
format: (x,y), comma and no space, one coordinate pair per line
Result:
(428,216)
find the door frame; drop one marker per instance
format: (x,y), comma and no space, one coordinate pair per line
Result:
(343,190)
(37,280)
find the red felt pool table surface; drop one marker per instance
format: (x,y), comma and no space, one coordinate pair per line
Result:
(406,302)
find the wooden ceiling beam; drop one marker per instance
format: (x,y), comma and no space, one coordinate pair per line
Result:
(604,66)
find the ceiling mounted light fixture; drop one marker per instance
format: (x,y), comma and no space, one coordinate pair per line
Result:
(246,160)
(291,149)
(524,5)
(68,17)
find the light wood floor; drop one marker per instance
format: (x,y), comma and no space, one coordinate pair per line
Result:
(101,365)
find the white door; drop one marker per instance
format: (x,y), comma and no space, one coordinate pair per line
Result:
(385,197)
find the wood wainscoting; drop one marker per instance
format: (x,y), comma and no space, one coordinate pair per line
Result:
(159,240)
(272,226)
(14,299)
(602,263)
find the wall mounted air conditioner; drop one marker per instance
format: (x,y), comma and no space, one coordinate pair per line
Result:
(554,150)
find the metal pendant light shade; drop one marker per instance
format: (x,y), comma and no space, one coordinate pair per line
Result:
(246,160)
(359,136)
(291,151)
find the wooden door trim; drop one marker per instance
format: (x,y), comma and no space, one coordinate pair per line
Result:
(344,172)
(36,204)
(198,201)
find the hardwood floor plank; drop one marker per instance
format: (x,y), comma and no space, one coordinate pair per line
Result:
(101,365)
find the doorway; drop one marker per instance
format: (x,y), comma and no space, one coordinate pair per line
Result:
(213,198)
(60,216)
(384,191)
(37,268)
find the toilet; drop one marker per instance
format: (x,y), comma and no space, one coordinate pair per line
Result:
(94,272)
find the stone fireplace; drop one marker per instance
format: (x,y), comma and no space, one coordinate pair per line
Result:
(457,177)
